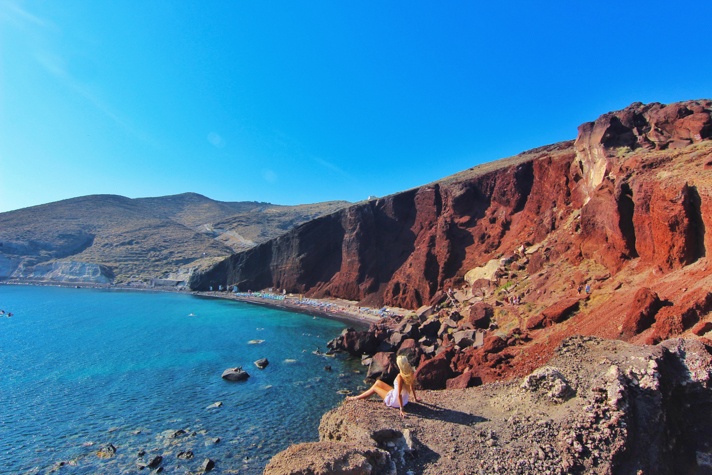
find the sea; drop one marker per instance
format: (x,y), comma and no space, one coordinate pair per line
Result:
(103,381)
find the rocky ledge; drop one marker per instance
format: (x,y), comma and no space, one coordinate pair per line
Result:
(599,406)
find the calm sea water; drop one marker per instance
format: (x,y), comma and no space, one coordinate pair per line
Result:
(81,368)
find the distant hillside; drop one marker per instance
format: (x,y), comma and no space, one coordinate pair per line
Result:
(107,238)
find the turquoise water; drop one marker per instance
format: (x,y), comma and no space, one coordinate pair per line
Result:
(83,368)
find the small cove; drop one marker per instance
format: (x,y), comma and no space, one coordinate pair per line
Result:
(83,368)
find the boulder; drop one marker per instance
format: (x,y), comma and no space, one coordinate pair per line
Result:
(562,310)
(383,366)
(556,313)
(465,380)
(433,373)
(701,328)
(641,313)
(235,374)
(155,462)
(673,320)
(396,338)
(480,316)
(411,330)
(424,311)
(464,338)
(358,343)
(262,363)
(493,344)
(208,465)
(385,346)
(430,327)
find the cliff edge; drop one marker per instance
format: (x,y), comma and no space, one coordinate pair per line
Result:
(599,406)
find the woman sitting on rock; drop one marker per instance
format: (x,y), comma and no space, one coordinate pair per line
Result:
(396,396)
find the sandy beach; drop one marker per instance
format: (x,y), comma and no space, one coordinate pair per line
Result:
(337,309)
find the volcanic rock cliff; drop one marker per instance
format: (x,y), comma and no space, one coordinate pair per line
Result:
(631,191)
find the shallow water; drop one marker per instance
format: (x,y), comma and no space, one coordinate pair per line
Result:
(83,368)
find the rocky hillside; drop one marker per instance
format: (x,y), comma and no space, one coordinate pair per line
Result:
(608,232)
(113,239)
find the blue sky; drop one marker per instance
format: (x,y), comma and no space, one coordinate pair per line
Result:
(298,102)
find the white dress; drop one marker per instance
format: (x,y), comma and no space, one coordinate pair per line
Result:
(391,398)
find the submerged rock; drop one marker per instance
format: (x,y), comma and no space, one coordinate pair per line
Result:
(106,452)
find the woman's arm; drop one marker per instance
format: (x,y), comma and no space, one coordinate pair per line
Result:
(412,391)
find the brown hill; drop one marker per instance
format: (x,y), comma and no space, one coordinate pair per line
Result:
(105,238)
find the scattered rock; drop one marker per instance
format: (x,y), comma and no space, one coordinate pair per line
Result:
(155,462)
(208,465)
(187,455)
(215,405)
(262,363)
(108,451)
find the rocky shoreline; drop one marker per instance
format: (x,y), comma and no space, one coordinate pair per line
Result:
(599,406)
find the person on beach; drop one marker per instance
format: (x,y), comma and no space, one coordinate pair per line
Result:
(397,395)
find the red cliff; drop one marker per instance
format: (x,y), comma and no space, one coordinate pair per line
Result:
(626,206)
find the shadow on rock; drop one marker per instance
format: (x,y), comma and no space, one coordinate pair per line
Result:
(431,411)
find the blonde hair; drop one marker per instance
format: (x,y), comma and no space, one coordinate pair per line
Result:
(406,370)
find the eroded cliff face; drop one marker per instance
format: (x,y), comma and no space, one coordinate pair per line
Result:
(633,187)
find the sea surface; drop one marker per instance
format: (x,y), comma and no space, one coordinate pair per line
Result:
(82,368)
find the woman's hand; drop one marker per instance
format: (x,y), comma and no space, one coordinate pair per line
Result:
(402,414)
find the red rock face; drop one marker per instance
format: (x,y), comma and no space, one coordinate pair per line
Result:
(613,199)
(641,313)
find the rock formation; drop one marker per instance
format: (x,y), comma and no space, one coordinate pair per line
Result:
(599,407)
(606,236)
(629,188)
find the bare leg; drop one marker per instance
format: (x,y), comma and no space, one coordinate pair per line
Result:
(379,387)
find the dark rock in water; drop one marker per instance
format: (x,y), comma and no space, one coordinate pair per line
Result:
(208,465)
(235,374)
(106,452)
(177,433)
(141,453)
(187,455)
(262,363)
(327,368)
(155,461)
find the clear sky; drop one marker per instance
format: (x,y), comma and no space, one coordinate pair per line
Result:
(297,102)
